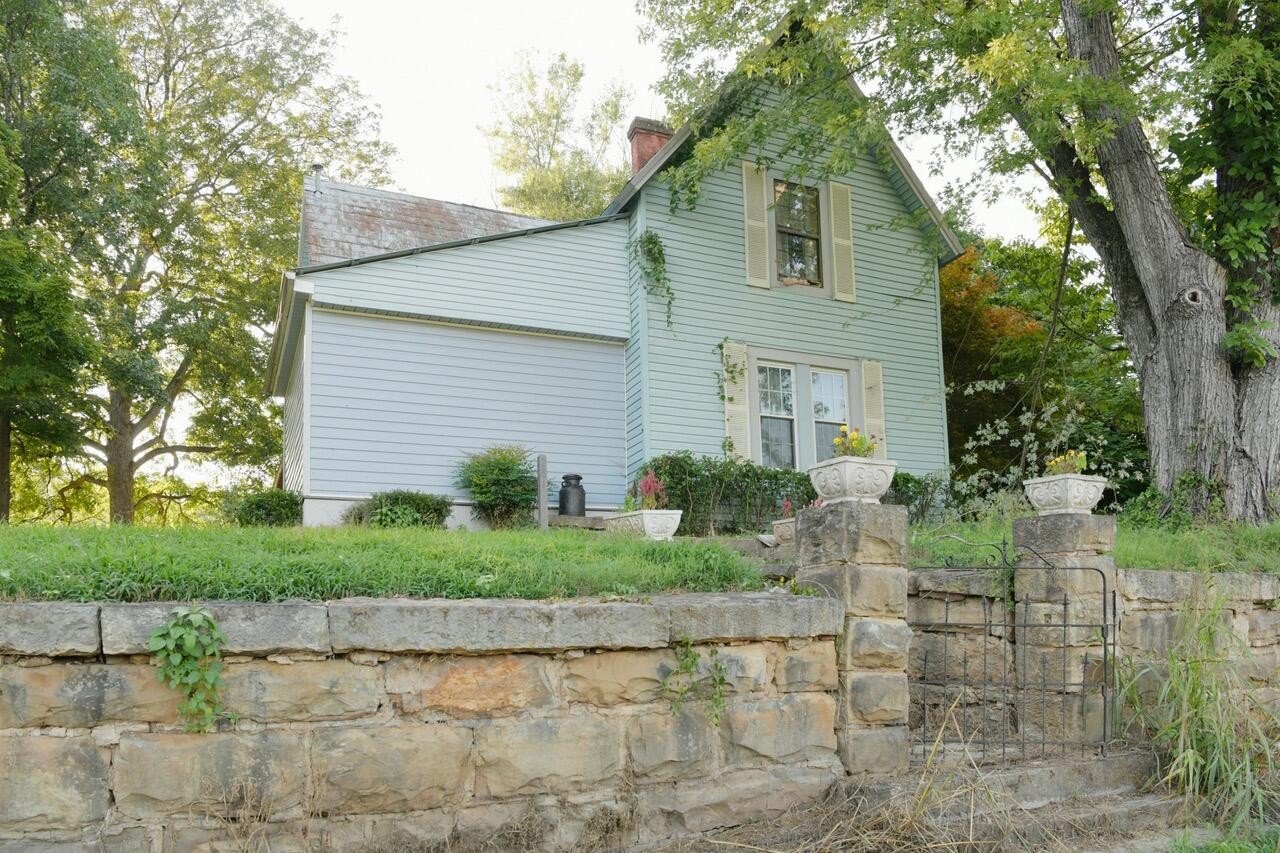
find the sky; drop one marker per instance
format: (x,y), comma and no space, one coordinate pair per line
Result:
(430,66)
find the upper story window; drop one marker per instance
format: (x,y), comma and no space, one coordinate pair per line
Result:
(798,219)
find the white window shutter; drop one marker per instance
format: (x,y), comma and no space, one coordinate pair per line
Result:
(755,210)
(873,406)
(737,411)
(842,242)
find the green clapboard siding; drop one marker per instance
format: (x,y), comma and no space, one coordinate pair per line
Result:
(895,319)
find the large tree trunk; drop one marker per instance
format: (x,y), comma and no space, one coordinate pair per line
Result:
(120,467)
(6,465)
(1253,474)
(1172,310)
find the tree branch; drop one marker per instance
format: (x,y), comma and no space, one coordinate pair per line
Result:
(139,461)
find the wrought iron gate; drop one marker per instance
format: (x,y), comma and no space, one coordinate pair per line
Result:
(1003,678)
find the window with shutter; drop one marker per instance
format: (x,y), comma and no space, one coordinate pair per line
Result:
(842,241)
(873,406)
(755,207)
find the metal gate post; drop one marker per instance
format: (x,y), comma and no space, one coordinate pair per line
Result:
(857,553)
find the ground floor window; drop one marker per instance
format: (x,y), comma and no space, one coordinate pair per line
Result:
(799,402)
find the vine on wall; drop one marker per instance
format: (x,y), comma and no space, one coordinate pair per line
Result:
(189,650)
(651,255)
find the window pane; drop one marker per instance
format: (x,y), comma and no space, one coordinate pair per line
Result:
(829,397)
(776,394)
(798,259)
(796,207)
(824,434)
(777,443)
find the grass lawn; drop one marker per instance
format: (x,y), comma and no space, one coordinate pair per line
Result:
(264,564)
(1218,548)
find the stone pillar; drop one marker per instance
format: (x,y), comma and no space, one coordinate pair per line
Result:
(1064,574)
(857,553)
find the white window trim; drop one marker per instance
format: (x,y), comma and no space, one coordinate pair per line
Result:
(848,402)
(801,364)
(828,289)
(758,437)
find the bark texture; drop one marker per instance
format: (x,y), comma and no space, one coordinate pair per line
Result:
(1200,416)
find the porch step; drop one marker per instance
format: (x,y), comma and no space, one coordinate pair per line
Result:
(586,522)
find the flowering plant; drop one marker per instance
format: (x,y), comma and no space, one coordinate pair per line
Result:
(787,507)
(853,443)
(1071,462)
(652,491)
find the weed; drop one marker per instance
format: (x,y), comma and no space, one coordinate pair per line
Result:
(189,651)
(683,683)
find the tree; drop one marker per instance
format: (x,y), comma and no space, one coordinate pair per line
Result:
(180,280)
(64,103)
(1085,93)
(562,164)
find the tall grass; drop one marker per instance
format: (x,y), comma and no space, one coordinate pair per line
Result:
(1214,741)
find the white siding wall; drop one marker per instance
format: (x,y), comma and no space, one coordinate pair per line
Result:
(295,423)
(397,403)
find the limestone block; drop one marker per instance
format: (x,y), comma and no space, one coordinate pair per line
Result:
(298,692)
(1065,534)
(862,590)
(428,830)
(874,751)
(850,532)
(81,695)
(705,804)
(1261,664)
(875,644)
(1264,627)
(51,783)
(209,774)
(293,836)
(251,628)
(611,678)
(745,668)
(1042,624)
(493,625)
(795,727)
(873,697)
(1148,587)
(810,667)
(748,616)
(1042,715)
(546,754)
(464,687)
(671,745)
(391,768)
(1074,576)
(971,614)
(50,628)
(958,582)
(1148,633)
(968,657)
(1046,667)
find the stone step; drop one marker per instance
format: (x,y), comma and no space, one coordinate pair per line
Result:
(588,522)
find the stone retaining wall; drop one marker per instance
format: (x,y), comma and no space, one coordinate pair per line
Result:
(398,724)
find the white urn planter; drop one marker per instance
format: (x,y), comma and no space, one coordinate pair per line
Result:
(657,524)
(784,531)
(852,478)
(1065,494)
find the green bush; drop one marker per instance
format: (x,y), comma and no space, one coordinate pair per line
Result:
(400,508)
(727,495)
(503,484)
(922,496)
(269,508)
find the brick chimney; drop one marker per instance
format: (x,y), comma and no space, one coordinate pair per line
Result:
(646,136)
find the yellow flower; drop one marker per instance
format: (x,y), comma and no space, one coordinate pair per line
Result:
(844,429)
(836,442)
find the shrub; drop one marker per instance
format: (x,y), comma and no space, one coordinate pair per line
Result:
(400,508)
(922,496)
(503,484)
(269,508)
(723,495)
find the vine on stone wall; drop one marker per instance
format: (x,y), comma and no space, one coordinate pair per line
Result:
(189,650)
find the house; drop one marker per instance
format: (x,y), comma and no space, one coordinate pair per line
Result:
(415,331)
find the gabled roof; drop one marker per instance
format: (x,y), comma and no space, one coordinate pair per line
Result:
(915,196)
(343,221)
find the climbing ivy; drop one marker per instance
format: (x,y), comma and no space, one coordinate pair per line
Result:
(648,251)
(189,651)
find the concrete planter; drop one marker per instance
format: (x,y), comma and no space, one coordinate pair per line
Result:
(1065,494)
(657,524)
(785,531)
(852,478)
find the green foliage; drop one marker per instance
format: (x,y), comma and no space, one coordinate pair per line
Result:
(1071,462)
(503,484)
(319,564)
(561,162)
(1261,842)
(723,495)
(922,496)
(689,681)
(1192,500)
(1213,737)
(648,251)
(401,508)
(269,508)
(189,651)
